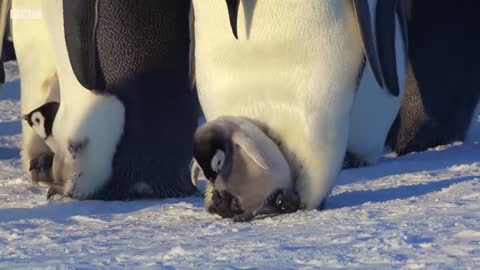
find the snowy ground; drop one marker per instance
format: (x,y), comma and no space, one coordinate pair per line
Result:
(418,211)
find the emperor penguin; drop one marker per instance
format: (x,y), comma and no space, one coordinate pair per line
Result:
(38,78)
(41,121)
(295,67)
(374,111)
(52,169)
(123,71)
(243,164)
(442,88)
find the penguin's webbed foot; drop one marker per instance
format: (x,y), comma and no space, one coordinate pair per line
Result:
(283,201)
(323,205)
(224,204)
(58,189)
(244,217)
(54,190)
(353,161)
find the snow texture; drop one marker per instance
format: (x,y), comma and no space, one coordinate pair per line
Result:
(420,211)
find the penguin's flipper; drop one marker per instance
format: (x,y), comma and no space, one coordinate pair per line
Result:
(250,147)
(195,173)
(80,20)
(378,38)
(232,6)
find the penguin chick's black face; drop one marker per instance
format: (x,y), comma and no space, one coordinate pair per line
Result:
(41,119)
(210,150)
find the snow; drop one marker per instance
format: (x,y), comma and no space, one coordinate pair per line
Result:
(419,211)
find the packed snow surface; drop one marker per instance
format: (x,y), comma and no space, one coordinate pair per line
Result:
(417,211)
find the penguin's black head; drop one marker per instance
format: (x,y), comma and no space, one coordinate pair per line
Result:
(41,119)
(210,147)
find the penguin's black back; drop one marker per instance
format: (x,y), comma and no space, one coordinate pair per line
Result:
(443,84)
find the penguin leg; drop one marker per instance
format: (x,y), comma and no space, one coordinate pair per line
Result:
(353,161)
(41,168)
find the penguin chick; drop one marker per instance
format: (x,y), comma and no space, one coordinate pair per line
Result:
(58,170)
(41,120)
(239,159)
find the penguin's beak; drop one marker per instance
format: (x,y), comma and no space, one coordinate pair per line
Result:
(25,117)
(232,6)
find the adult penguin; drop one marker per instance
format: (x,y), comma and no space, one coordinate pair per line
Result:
(442,87)
(295,67)
(38,76)
(123,71)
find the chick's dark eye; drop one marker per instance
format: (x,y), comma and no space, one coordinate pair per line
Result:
(37,120)
(218,163)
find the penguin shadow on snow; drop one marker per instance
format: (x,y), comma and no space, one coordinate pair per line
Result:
(10,91)
(10,128)
(9,153)
(63,211)
(357,198)
(439,158)
(429,161)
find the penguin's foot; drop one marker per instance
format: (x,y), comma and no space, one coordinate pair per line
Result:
(323,205)
(287,201)
(55,190)
(41,167)
(60,189)
(353,161)
(224,204)
(245,217)
(74,147)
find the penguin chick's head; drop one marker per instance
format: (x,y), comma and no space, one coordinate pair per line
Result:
(210,149)
(41,119)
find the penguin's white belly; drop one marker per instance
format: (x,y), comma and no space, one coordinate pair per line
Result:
(294,69)
(375,109)
(83,115)
(39,83)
